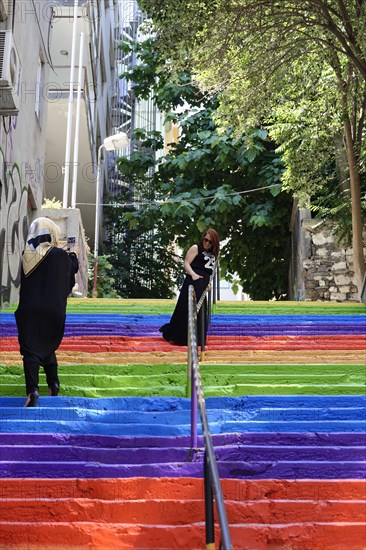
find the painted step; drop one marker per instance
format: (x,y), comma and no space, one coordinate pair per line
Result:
(138,306)
(171,379)
(152,455)
(100,536)
(101,344)
(173,410)
(178,354)
(174,512)
(172,416)
(259,513)
(241,456)
(187,488)
(107,324)
(166,369)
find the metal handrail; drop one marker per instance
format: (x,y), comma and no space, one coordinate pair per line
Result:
(205,292)
(197,397)
(203,334)
(206,313)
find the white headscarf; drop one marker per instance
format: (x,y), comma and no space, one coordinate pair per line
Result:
(42,236)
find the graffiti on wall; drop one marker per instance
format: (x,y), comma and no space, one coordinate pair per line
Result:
(13,228)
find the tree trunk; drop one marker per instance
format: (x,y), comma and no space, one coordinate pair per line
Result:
(342,165)
(354,176)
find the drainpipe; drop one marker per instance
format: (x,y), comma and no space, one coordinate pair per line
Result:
(69,114)
(77,127)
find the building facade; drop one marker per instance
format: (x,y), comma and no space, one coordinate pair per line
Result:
(25,62)
(84,56)
(57,91)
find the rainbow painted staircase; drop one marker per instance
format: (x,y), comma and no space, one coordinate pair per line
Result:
(108,464)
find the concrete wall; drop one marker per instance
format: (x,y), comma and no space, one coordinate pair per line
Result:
(70,223)
(32,152)
(22,142)
(98,86)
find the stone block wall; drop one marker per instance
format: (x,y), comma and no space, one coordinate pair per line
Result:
(328,273)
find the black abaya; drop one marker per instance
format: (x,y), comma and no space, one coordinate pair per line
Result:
(41,312)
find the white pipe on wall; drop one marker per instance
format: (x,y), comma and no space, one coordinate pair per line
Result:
(77,125)
(69,113)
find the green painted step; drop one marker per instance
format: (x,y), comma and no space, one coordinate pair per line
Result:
(234,390)
(139,381)
(171,380)
(246,308)
(156,307)
(206,368)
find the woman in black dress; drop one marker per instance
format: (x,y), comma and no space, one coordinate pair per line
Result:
(199,264)
(47,278)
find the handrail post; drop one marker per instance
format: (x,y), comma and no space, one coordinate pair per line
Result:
(189,369)
(202,317)
(193,412)
(218,282)
(214,286)
(209,507)
(192,358)
(209,308)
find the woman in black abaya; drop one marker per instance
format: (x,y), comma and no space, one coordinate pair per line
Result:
(199,264)
(47,278)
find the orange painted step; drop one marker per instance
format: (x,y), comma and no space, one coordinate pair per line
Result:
(57,514)
(181,488)
(179,512)
(80,536)
(235,357)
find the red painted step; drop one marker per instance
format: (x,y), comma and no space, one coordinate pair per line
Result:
(169,513)
(99,536)
(141,344)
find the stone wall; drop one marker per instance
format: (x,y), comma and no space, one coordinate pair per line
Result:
(328,273)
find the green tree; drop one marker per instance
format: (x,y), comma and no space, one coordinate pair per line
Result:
(263,55)
(212,178)
(106,286)
(143,263)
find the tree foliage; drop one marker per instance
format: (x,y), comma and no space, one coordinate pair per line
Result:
(106,286)
(297,67)
(141,255)
(211,178)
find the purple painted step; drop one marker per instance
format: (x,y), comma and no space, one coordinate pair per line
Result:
(239,470)
(153,455)
(247,456)
(251,438)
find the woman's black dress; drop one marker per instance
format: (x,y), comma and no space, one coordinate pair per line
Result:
(176,330)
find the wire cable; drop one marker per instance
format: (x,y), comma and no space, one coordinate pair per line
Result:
(159,203)
(40,32)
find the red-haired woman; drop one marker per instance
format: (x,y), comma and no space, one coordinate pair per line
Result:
(199,264)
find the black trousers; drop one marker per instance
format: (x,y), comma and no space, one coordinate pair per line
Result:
(31,365)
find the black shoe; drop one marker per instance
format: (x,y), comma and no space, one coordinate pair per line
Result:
(54,389)
(32,399)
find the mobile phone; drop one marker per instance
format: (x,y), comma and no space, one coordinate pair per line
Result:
(70,243)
